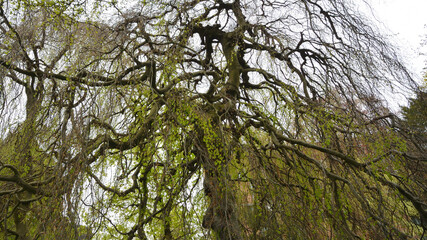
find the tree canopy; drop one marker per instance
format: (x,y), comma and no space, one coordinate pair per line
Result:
(214,119)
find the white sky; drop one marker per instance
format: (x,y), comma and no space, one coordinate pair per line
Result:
(407,24)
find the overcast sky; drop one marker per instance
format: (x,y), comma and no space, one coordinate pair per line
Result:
(407,23)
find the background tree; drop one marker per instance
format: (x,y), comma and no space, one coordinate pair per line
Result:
(415,113)
(201,119)
(413,127)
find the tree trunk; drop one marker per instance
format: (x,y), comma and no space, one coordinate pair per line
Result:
(221,214)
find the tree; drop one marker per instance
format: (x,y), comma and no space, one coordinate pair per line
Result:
(415,114)
(190,119)
(414,128)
